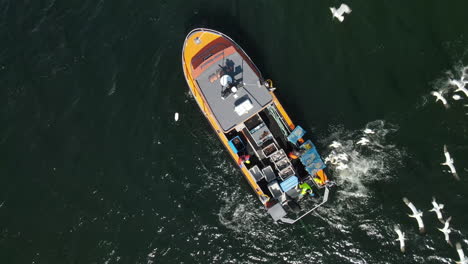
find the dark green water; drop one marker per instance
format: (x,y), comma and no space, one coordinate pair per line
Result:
(93,168)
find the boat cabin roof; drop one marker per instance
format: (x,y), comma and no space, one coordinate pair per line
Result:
(224,70)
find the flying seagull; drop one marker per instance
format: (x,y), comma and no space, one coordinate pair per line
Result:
(335,144)
(401,238)
(416,214)
(446,230)
(436,208)
(338,13)
(439,97)
(369,131)
(460,85)
(363,141)
(449,162)
(463,260)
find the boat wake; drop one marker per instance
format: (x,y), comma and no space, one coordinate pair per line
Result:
(354,165)
(365,165)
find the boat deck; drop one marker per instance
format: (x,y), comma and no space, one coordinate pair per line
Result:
(278,163)
(244,78)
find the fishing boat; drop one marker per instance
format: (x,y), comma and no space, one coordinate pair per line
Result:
(283,169)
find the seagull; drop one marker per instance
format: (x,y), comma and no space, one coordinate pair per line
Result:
(441,98)
(176,116)
(436,209)
(416,214)
(446,230)
(460,85)
(463,260)
(335,144)
(456,97)
(449,162)
(401,238)
(369,131)
(363,141)
(338,13)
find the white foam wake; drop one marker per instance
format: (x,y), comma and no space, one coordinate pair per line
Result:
(365,163)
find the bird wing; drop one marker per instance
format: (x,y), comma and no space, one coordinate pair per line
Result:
(447,221)
(447,237)
(344,8)
(437,95)
(464,90)
(444,101)
(448,159)
(452,168)
(460,253)
(446,227)
(420,222)
(399,233)
(439,214)
(413,208)
(455,175)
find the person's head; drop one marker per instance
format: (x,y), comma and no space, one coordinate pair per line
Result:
(247,162)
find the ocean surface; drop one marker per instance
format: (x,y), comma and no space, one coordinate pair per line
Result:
(94,169)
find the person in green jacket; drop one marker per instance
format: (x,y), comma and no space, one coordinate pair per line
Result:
(305,188)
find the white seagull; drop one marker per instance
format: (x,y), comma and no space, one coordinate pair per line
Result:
(335,144)
(338,13)
(369,131)
(416,214)
(456,97)
(449,162)
(401,238)
(460,85)
(439,97)
(463,260)
(436,208)
(363,141)
(446,230)
(176,116)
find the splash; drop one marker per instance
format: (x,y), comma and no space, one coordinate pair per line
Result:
(356,165)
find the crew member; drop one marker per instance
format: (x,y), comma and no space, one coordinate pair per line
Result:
(305,188)
(294,154)
(243,158)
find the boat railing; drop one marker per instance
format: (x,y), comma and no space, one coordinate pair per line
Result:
(279,120)
(324,200)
